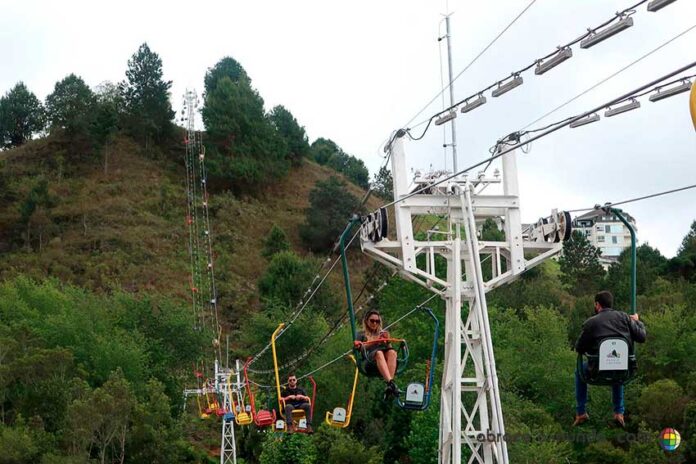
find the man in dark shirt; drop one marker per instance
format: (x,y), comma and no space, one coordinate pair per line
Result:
(606,322)
(295,398)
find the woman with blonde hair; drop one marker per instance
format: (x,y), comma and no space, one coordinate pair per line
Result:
(379,354)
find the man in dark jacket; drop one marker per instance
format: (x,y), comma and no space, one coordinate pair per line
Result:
(606,322)
(295,398)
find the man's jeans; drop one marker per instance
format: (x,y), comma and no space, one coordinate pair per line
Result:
(306,407)
(617,394)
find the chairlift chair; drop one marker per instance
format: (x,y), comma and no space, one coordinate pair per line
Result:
(262,418)
(299,420)
(416,395)
(340,416)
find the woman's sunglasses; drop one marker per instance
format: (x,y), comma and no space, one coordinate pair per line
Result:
(376,321)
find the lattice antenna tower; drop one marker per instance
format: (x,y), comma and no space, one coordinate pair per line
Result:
(203,289)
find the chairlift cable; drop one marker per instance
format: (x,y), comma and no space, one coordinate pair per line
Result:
(653,195)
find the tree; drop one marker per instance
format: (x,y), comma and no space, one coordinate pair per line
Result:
(105,123)
(286,278)
(290,130)
(330,208)
(326,152)
(662,403)
(292,449)
(276,242)
(688,244)
(244,148)
(422,440)
(323,150)
(21,116)
(71,106)
(149,113)
(102,419)
(383,184)
(226,67)
(649,265)
(581,271)
(684,264)
(35,211)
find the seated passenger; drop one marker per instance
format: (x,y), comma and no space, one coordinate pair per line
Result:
(607,322)
(379,354)
(295,398)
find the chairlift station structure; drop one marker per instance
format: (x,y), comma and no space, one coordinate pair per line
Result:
(470,406)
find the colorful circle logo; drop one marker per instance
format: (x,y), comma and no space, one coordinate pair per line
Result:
(670,439)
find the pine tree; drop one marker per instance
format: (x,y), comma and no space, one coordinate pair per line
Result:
(290,130)
(21,116)
(71,106)
(580,267)
(330,208)
(275,242)
(149,113)
(226,67)
(688,245)
(244,149)
(383,184)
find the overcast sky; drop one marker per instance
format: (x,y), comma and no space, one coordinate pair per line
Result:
(355,71)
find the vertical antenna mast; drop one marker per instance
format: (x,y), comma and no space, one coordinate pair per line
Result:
(451,92)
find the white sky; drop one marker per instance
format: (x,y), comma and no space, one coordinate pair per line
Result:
(355,71)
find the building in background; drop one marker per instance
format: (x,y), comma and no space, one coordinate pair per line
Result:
(606,232)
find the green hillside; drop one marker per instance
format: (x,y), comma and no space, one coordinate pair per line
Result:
(124,228)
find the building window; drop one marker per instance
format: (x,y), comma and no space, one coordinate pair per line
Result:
(614,239)
(600,238)
(599,229)
(607,229)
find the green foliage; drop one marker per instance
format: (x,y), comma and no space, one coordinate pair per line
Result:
(684,264)
(286,278)
(276,242)
(291,131)
(661,404)
(531,430)
(604,452)
(539,286)
(326,152)
(17,445)
(296,448)
(71,107)
(327,216)
(340,447)
(245,150)
(226,67)
(422,440)
(97,374)
(581,271)
(35,213)
(148,112)
(525,345)
(107,113)
(383,184)
(649,264)
(670,351)
(100,420)
(21,116)
(688,244)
